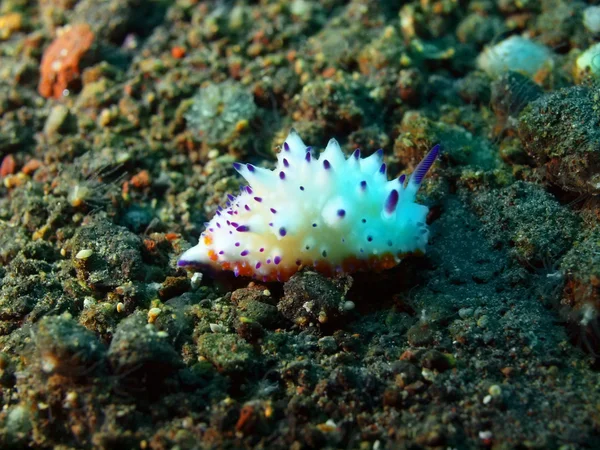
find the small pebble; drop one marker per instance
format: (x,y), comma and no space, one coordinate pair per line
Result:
(216,328)
(84,254)
(495,390)
(591,18)
(153,314)
(483,321)
(196,280)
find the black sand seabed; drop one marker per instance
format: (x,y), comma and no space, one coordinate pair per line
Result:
(116,144)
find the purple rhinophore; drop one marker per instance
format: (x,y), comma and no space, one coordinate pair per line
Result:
(356,153)
(237,166)
(326,164)
(286,146)
(392,201)
(244,253)
(250,167)
(258,199)
(341,212)
(402,179)
(421,170)
(382,168)
(286,163)
(282,232)
(282,175)
(307,156)
(242,228)
(277,260)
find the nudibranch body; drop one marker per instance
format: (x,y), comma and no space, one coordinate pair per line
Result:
(337,214)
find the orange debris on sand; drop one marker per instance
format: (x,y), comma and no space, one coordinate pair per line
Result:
(8,166)
(60,63)
(31,166)
(178,52)
(141,180)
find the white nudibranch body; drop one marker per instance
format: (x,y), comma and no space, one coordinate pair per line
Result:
(335,213)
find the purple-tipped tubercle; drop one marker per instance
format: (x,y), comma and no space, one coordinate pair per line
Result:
(425,165)
(392,201)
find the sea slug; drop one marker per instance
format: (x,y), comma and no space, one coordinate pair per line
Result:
(338,215)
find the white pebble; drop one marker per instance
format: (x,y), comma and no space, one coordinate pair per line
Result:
(591,18)
(216,328)
(515,53)
(196,280)
(84,254)
(588,63)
